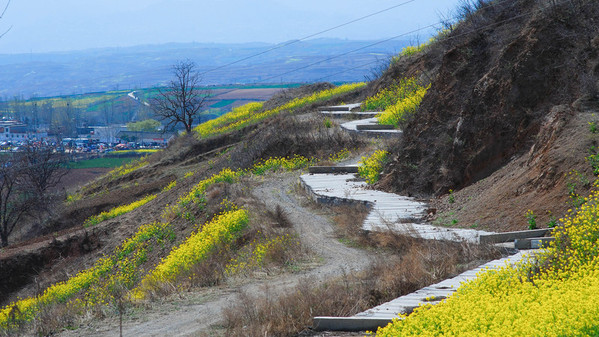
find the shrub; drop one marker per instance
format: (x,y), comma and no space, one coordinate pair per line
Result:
(370,167)
(196,248)
(116,211)
(531,218)
(169,186)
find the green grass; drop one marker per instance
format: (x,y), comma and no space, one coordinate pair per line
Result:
(105,162)
(135,152)
(223,103)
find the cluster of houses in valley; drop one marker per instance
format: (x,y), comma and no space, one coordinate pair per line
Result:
(14,133)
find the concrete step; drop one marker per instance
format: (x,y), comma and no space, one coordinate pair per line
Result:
(333,169)
(364,127)
(344,107)
(350,114)
(386,312)
(533,243)
(352,126)
(511,236)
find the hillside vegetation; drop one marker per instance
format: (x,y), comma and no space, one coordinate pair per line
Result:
(168,221)
(498,114)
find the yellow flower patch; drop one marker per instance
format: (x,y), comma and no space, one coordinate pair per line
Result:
(370,167)
(250,114)
(554,295)
(116,211)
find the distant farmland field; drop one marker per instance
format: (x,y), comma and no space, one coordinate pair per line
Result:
(122,106)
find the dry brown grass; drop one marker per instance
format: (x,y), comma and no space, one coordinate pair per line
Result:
(405,264)
(390,276)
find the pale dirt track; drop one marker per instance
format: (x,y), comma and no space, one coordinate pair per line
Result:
(193,314)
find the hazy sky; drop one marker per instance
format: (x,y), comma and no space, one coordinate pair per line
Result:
(58,25)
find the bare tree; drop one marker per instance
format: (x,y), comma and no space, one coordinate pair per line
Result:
(25,180)
(182,100)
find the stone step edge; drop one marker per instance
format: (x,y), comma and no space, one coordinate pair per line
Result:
(367,127)
(326,323)
(332,200)
(332,169)
(511,236)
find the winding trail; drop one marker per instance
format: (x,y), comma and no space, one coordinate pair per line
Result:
(195,312)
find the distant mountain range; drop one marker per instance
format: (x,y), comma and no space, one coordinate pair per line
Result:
(65,73)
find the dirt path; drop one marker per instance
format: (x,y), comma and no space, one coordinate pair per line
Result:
(192,314)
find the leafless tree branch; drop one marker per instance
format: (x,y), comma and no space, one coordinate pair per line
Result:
(182,100)
(25,180)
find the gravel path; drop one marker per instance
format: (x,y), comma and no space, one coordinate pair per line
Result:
(192,314)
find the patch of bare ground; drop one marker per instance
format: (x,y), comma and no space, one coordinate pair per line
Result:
(541,180)
(79,177)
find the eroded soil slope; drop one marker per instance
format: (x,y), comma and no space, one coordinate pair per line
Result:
(500,76)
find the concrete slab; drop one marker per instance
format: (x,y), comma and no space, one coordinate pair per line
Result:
(348,323)
(511,236)
(343,107)
(350,114)
(352,126)
(388,211)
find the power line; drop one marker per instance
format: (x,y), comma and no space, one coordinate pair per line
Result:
(158,70)
(400,35)
(348,52)
(308,36)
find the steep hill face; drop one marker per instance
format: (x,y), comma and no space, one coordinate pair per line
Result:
(504,72)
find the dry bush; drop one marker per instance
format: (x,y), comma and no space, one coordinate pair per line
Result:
(211,272)
(280,217)
(349,219)
(285,315)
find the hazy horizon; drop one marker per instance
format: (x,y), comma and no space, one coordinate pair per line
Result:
(38,26)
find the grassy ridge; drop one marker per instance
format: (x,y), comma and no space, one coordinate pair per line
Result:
(251,113)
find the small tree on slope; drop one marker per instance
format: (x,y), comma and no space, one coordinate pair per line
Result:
(182,100)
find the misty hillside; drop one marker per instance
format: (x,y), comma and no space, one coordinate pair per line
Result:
(105,69)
